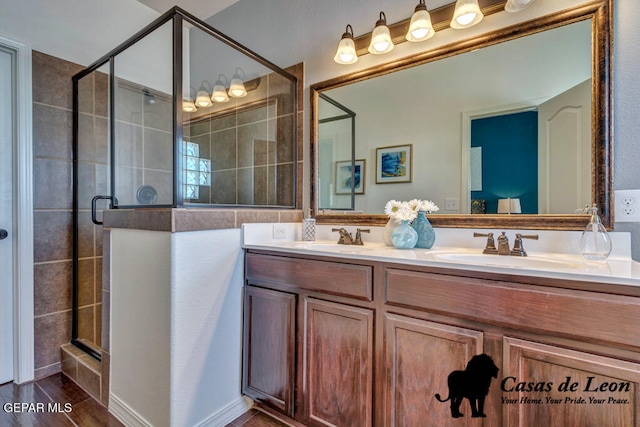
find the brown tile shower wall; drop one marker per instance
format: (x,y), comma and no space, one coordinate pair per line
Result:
(144,142)
(52,147)
(249,142)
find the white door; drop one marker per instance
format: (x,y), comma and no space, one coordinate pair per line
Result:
(564,151)
(7,130)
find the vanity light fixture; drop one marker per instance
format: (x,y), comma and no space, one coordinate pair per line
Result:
(381,37)
(466,14)
(517,5)
(236,88)
(219,90)
(188,106)
(420,28)
(346,53)
(202,98)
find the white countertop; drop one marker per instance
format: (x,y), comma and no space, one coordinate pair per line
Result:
(555,260)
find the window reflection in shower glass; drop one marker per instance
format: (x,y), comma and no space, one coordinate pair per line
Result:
(197,171)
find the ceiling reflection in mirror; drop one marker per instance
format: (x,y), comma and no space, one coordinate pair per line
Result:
(512,120)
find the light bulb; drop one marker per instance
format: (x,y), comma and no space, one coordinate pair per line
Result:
(466,19)
(203,100)
(420,27)
(346,52)
(466,14)
(188,106)
(381,37)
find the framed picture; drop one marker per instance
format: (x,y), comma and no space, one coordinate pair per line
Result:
(343,177)
(393,164)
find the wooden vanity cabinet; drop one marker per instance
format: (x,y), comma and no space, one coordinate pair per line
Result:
(338,359)
(539,335)
(374,350)
(308,339)
(268,373)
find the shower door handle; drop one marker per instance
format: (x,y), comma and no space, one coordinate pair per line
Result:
(94,211)
(3,234)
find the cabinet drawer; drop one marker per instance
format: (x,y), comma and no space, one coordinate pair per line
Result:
(600,317)
(354,281)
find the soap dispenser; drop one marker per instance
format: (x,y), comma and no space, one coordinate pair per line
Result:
(595,243)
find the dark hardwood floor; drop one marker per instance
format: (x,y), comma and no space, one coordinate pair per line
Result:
(56,401)
(34,404)
(255,418)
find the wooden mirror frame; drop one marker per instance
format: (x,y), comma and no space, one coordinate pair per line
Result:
(601,13)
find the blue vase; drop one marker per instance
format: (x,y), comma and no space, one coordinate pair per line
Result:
(426,233)
(404,237)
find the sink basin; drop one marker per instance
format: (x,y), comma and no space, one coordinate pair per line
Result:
(533,262)
(329,247)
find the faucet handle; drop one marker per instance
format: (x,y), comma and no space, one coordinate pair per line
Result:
(359,232)
(345,236)
(490,248)
(518,249)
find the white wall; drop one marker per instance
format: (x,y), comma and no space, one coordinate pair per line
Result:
(176,327)
(206,346)
(77,31)
(140,325)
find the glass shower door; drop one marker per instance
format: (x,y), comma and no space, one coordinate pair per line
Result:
(91,177)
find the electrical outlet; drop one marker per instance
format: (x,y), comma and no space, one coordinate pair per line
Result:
(627,206)
(451,204)
(279,231)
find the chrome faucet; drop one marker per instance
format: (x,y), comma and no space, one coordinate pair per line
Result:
(359,232)
(347,239)
(345,236)
(518,249)
(490,247)
(503,244)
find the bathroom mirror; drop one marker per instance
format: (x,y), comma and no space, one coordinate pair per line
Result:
(442,155)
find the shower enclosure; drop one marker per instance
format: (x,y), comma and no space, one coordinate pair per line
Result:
(178,116)
(340,175)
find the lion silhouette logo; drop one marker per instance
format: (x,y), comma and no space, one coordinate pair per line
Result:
(472,383)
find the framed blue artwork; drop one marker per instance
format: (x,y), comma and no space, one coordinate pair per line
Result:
(393,164)
(344,176)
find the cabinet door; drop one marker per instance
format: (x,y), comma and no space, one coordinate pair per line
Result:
(580,389)
(339,364)
(268,373)
(419,356)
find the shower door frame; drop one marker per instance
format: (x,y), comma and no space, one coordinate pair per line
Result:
(177,16)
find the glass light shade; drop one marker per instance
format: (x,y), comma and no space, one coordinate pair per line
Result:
(236,88)
(381,37)
(219,93)
(420,28)
(346,53)
(509,206)
(517,5)
(203,100)
(467,14)
(188,106)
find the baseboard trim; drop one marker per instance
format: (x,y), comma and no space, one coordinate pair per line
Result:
(227,414)
(125,414)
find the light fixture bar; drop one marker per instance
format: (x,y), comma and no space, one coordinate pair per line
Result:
(440,19)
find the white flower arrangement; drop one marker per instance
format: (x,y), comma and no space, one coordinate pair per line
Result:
(424,206)
(408,211)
